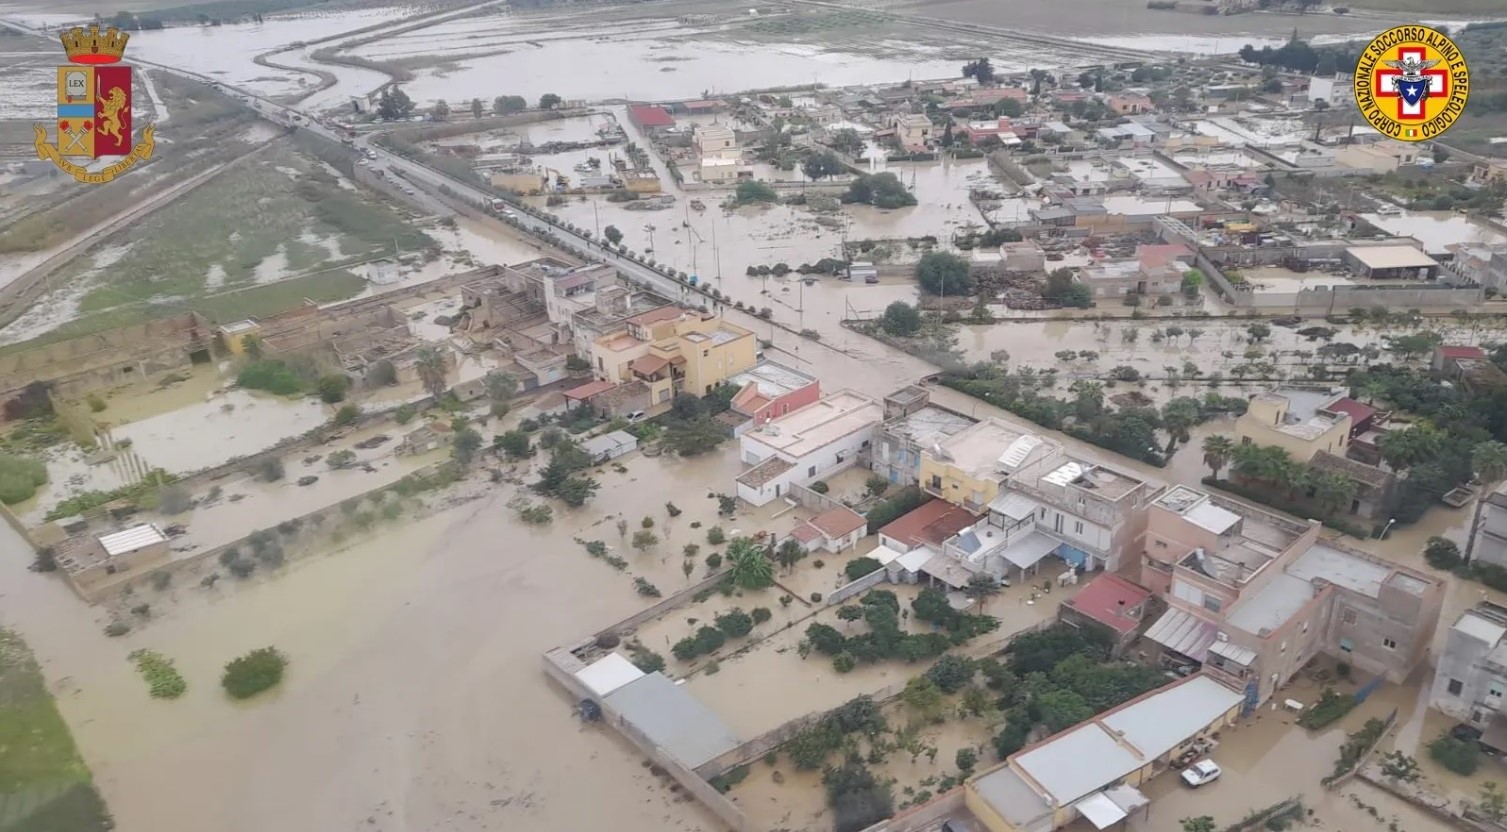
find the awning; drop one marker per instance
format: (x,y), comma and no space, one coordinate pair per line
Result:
(1242,656)
(1100,810)
(1126,797)
(1495,735)
(1028,550)
(1014,506)
(1184,633)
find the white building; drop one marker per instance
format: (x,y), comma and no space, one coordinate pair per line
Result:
(1470,683)
(834,530)
(1490,545)
(806,445)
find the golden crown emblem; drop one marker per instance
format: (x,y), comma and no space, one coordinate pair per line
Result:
(94,47)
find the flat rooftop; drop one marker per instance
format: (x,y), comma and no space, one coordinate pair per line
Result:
(723,334)
(978,448)
(1099,752)
(1353,571)
(1080,476)
(1391,257)
(773,380)
(930,424)
(817,425)
(673,719)
(130,540)
(1268,609)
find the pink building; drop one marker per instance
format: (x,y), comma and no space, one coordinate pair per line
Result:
(768,390)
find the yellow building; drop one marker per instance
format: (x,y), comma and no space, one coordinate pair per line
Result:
(967,468)
(1096,768)
(673,350)
(1301,422)
(235,336)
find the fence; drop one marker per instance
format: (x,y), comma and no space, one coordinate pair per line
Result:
(813,500)
(869,581)
(670,603)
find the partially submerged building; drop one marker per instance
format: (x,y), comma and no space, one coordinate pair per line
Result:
(768,390)
(803,446)
(1300,421)
(1470,682)
(94,564)
(912,424)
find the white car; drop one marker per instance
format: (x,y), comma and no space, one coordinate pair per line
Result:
(1201,772)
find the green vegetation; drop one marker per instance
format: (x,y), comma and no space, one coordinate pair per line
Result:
(887,640)
(1459,756)
(562,477)
(1328,710)
(40,758)
(254,672)
(20,477)
(706,640)
(859,567)
(899,504)
(163,679)
(748,193)
(332,388)
(750,565)
(944,273)
(80,503)
(1357,744)
(881,190)
(271,375)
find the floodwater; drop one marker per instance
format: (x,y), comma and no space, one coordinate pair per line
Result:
(1437,230)
(414,677)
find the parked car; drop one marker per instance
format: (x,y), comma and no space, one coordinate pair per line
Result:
(1201,772)
(636,416)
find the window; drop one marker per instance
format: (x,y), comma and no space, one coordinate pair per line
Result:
(1455,687)
(1161,544)
(1213,604)
(1348,617)
(1388,643)
(1347,645)
(936,481)
(1494,689)
(1078,527)
(811,472)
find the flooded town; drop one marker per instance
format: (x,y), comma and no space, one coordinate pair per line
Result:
(860,416)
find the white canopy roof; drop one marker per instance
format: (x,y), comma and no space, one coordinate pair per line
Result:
(1100,810)
(1026,551)
(608,673)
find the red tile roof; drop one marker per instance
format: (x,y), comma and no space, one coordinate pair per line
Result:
(1161,255)
(1102,597)
(838,522)
(932,523)
(649,115)
(589,389)
(1359,412)
(1451,351)
(648,364)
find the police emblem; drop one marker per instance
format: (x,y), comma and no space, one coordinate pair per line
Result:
(1411,83)
(94,107)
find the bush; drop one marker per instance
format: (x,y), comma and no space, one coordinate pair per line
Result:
(341,459)
(900,503)
(332,388)
(253,673)
(844,662)
(271,375)
(645,588)
(820,487)
(1458,756)
(163,680)
(735,623)
(173,499)
(96,403)
(858,567)
(761,614)
(346,415)
(270,469)
(715,536)
(1442,553)
(404,414)
(1329,709)
(20,477)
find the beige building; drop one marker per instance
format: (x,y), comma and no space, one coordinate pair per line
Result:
(913,130)
(1255,597)
(519,182)
(1383,156)
(968,468)
(1300,422)
(672,350)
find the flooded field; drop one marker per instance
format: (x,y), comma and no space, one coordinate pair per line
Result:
(1438,230)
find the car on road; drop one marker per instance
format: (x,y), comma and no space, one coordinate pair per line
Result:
(1201,772)
(636,416)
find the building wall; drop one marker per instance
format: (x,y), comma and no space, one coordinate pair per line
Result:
(788,403)
(708,365)
(820,464)
(1491,537)
(956,486)
(1258,425)
(1481,688)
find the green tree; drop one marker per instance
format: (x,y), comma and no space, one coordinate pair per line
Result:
(966,759)
(575,491)
(613,235)
(393,104)
(549,101)
(1442,553)
(882,190)
(516,444)
(506,104)
(789,553)
(440,111)
(476,108)
(951,673)
(1218,450)
(429,362)
(944,273)
(332,388)
(1332,490)
(819,165)
(1493,802)
(1402,449)
(500,386)
(735,623)
(749,192)
(464,447)
(922,696)
(253,673)
(1489,461)
(348,414)
(981,588)
(1202,823)
(751,567)
(1178,417)
(900,319)
(643,539)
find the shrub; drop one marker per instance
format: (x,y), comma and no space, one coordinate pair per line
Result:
(271,375)
(645,588)
(341,459)
(163,680)
(96,403)
(858,567)
(1458,756)
(713,562)
(404,414)
(332,388)
(346,415)
(876,485)
(820,487)
(715,536)
(253,673)
(671,509)
(844,662)
(761,614)
(735,623)
(270,469)
(1330,707)
(20,477)
(117,628)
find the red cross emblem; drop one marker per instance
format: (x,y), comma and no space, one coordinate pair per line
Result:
(1386,84)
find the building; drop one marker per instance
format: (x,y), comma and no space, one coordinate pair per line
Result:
(427,437)
(1112,605)
(94,564)
(1024,256)
(1254,597)
(1470,681)
(236,336)
(913,131)
(1156,270)
(1097,768)
(520,181)
(911,425)
(806,445)
(1490,543)
(1384,156)
(768,390)
(1130,103)
(673,350)
(609,446)
(1375,487)
(1298,421)
(1088,516)
(836,530)
(1401,262)
(651,118)
(718,171)
(929,526)
(968,467)
(1488,171)
(1482,264)
(1330,90)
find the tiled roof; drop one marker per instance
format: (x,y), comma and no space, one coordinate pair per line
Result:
(932,523)
(1107,598)
(838,522)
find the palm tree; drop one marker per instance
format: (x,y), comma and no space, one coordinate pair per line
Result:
(1178,416)
(1489,459)
(981,588)
(429,361)
(1331,490)
(1217,452)
(751,566)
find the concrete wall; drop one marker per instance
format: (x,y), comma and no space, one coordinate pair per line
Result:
(678,599)
(103,359)
(560,664)
(864,584)
(917,818)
